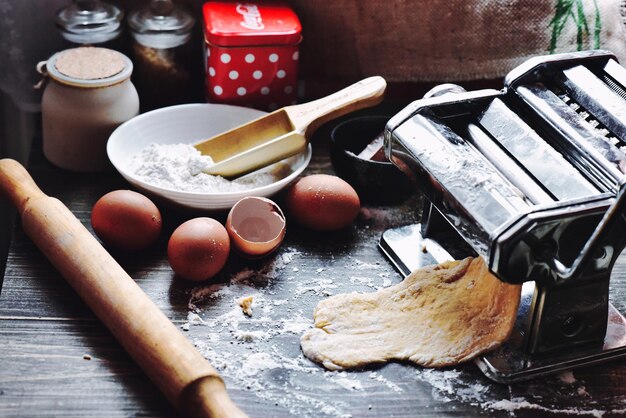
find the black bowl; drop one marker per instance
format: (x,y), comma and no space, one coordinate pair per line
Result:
(378,182)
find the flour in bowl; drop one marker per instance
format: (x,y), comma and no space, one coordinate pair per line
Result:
(180,167)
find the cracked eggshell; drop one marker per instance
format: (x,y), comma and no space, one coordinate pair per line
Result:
(256,227)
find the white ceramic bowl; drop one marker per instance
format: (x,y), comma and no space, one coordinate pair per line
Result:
(190,123)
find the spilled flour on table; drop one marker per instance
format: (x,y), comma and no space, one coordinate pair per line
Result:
(520,403)
(459,386)
(260,354)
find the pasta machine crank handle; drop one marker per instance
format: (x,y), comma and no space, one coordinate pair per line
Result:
(572,311)
(594,246)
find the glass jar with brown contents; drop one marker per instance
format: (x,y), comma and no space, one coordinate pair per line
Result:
(162,53)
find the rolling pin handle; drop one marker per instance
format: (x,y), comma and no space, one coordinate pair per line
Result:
(207,397)
(17,184)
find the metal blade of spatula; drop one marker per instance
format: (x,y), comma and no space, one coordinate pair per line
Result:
(284,132)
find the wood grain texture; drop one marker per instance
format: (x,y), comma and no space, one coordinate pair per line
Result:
(45,330)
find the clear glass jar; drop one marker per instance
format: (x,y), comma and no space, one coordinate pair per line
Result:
(90,22)
(88,94)
(162,53)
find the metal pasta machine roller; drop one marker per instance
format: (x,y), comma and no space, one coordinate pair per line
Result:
(531,178)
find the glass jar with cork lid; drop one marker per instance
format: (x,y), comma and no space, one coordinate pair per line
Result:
(162,53)
(87,95)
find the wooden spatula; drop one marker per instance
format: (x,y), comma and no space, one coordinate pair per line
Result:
(284,132)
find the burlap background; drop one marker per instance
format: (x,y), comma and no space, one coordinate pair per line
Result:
(409,42)
(445,40)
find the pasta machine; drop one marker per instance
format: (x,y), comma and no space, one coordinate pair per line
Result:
(531,178)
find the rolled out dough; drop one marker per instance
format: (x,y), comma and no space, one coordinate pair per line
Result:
(438,316)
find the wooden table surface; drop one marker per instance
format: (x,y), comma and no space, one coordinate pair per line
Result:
(56,359)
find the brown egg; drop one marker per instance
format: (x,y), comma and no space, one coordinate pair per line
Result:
(198,249)
(322,202)
(256,226)
(126,220)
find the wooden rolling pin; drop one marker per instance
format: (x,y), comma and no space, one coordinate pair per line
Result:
(186,378)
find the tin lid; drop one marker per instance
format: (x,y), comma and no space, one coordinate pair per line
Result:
(89,67)
(161,24)
(232,23)
(89,22)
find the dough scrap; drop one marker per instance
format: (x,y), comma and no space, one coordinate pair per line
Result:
(438,316)
(246,304)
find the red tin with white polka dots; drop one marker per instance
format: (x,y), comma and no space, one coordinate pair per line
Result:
(251,53)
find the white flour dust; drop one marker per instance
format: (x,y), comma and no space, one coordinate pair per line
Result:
(521,403)
(260,354)
(180,167)
(458,386)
